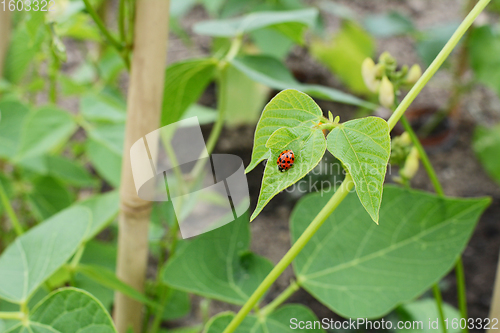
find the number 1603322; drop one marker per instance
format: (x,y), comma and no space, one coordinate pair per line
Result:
(28,5)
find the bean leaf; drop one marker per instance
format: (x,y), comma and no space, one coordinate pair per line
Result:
(364,146)
(68,310)
(279,321)
(253,21)
(308,146)
(290,108)
(486,144)
(362,270)
(185,81)
(219,265)
(41,251)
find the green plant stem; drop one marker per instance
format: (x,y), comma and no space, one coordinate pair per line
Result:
(10,211)
(306,236)
(12,315)
(285,294)
(461,291)
(423,156)
(101,26)
(438,61)
(219,123)
(439,304)
(121,21)
(347,185)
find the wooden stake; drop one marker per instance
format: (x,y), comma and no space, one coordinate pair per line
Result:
(495,301)
(5,27)
(144,103)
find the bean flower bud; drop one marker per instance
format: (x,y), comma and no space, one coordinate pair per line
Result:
(411,165)
(368,71)
(386,93)
(414,74)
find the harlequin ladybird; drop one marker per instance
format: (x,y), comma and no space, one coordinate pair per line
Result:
(285,160)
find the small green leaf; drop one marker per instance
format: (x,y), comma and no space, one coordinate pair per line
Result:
(362,270)
(218,265)
(486,144)
(26,41)
(345,53)
(12,113)
(308,147)
(178,305)
(108,279)
(364,147)
(279,321)
(44,130)
(389,24)
(104,208)
(272,73)
(105,148)
(483,45)
(68,310)
(185,81)
(253,21)
(102,108)
(290,108)
(68,171)
(424,310)
(48,197)
(41,251)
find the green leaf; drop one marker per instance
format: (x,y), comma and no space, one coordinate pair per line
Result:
(185,81)
(364,147)
(68,310)
(484,41)
(308,146)
(245,98)
(486,144)
(432,40)
(41,251)
(104,208)
(359,269)
(389,24)
(26,41)
(108,279)
(68,171)
(105,148)
(204,114)
(48,197)
(272,73)
(253,21)
(345,53)
(272,43)
(12,115)
(102,108)
(218,265)
(290,108)
(44,130)
(177,306)
(279,321)
(102,254)
(425,310)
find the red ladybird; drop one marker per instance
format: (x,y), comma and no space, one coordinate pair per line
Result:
(285,160)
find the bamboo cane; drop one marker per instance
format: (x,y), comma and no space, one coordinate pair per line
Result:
(143,116)
(5,26)
(495,301)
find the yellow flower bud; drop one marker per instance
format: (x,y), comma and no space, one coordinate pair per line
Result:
(368,71)
(405,138)
(414,74)
(411,164)
(386,93)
